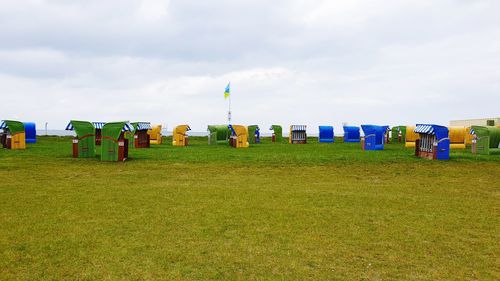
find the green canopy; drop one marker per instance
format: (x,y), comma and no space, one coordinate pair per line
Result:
(218,134)
(14,126)
(278,132)
(82,128)
(488,139)
(130,134)
(109,145)
(395,133)
(251,133)
(85,132)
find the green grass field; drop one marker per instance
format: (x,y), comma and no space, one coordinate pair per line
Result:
(270,212)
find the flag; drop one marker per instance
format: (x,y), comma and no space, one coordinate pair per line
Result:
(227,91)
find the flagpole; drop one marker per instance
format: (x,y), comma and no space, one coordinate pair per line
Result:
(229,112)
(228,91)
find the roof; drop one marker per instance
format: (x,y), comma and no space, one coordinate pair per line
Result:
(351,128)
(238,129)
(256,127)
(219,129)
(274,127)
(13,126)
(485,130)
(81,128)
(99,125)
(128,127)
(181,129)
(298,127)
(377,130)
(424,129)
(325,128)
(440,132)
(143,126)
(70,127)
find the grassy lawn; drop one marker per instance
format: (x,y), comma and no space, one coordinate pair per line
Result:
(270,212)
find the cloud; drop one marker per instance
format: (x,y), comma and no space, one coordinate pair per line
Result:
(153,10)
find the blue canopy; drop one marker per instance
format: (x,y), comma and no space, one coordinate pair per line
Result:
(442,139)
(374,136)
(351,134)
(30,129)
(326,134)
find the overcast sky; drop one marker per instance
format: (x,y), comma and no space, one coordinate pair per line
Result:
(289,62)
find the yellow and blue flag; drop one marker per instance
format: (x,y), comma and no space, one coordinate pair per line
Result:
(227,91)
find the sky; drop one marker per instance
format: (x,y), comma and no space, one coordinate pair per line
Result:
(309,62)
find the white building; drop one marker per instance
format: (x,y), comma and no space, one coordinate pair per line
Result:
(495,121)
